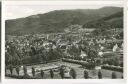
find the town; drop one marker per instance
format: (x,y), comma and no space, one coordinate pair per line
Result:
(75,53)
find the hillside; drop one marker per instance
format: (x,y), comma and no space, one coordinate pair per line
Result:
(58,20)
(112,21)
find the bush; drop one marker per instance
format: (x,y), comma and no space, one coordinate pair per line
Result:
(62,72)
(99,75)
(73,73)
(33,71)
(114,75)
(11,69)
(42,73)
(51,73)
(88,65)
(25,70)
(113,61)
(86,75)
(17,70)
(114,68)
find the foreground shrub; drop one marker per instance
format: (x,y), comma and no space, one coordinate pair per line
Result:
(51,73)
(42,73)
(86,75)
(11,69)
(73,73)
(33,71)
(17,70)
(111,67)
(114,75)
(88,65)
(99,74)
(25,70)
(61,72)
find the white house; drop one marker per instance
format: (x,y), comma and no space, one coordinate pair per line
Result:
(115,48)
(83,54)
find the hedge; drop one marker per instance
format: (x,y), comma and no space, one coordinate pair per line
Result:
(83,63)
(113,68)
(7,67)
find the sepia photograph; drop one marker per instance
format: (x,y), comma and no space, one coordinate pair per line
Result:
(65,41)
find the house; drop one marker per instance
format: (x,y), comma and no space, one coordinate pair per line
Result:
(83,54)
(115,48)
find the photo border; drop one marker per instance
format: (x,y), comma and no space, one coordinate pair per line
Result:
(63,81)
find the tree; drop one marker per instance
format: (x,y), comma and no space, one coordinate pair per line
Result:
(33,54)
(114,75)
(61,72)
(51,73)
(92,53)
(86,75)
(25,70)
(33,71)
(11,69)
(42,73)
(26,76)
(99,75)
(73,73)
(17,70)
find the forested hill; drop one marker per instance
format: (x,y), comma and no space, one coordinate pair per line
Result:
(112,21)
(58,20)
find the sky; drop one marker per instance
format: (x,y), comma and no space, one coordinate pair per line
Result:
(19,9)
